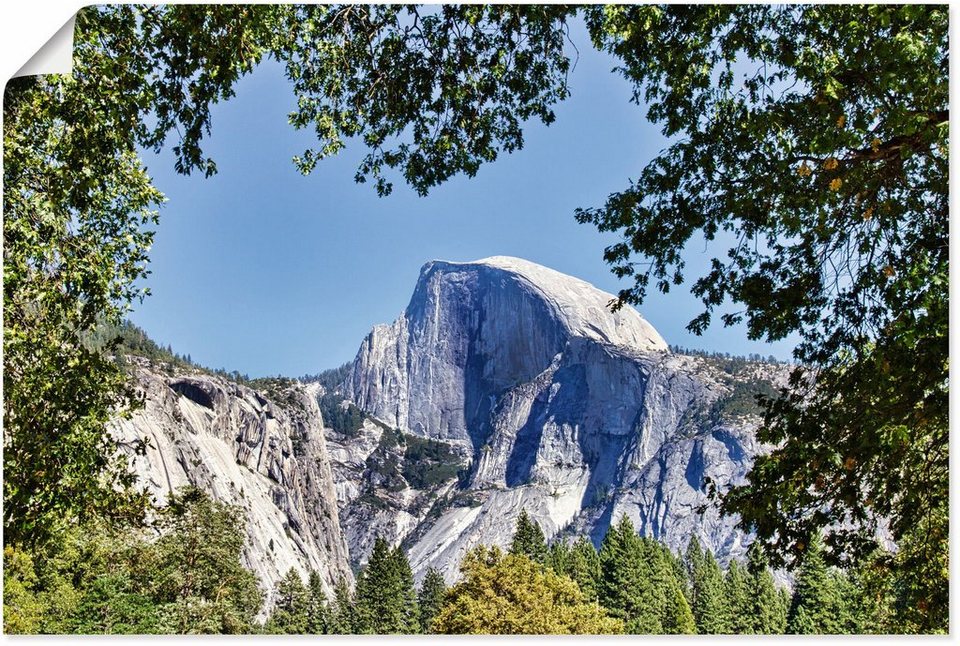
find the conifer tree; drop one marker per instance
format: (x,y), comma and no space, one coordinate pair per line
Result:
(639,584)
(528,539)
(693,564)
(558,557)
(385,600)
(341,617)
(290,612)
(819,606)
(739,604)
(583,566)
(404,593)
(317,605)
(707,592)
(766,611)
(430,599)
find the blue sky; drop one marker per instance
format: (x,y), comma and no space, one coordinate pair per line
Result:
(262,270)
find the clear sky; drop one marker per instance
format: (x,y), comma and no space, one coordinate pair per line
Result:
(262,270)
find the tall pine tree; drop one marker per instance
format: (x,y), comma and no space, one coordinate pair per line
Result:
(639,583)
(385,599)
(583,566)
(528,539)
(317,605)
(767,612)
(430,599)
(707,591)
(341,616)
(290,612)
(820,605)
(405,593)
(739,605)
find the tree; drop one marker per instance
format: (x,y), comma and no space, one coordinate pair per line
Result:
(528,539)
(342,619)
(317,616)
(406,592)
(511,594)
(197,571)
(558,557)
(100,578)
(385,599)
(708,596)
(638,583)
(431,598)
(809,146)
(736,588)
(292,606)
(768,614)
(820,604)
(584,567)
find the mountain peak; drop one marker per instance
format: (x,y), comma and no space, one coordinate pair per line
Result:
(583,309)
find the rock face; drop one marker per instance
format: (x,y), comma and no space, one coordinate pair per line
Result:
(265,453)
(576,414)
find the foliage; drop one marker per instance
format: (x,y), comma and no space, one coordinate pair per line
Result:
(812,141)
(639,584)
(291,611)
(97,579)
(820,604)
(431,93)
(430,598)
(342,617)
(528,539)
(583,566)
(768,613)
(386,601)
(510,594)
(331,379)
(345,420)
(198,572)
(428,462)
(709,601)
(317,611)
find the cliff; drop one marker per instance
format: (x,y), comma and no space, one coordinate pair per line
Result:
(262,450)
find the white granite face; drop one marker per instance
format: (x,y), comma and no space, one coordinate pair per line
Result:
(266,455)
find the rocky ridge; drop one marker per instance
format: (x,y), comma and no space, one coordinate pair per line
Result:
(261,450)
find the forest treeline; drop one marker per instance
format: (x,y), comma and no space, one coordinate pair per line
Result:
(184,575)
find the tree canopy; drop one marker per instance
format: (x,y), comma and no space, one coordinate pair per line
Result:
(511,594)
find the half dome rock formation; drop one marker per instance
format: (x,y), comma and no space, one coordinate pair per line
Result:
(562,407)
(475,329)
(261,450)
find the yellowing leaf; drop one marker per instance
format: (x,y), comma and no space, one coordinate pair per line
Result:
(875,144)
(804,170)
(868,213)
(831,163)
(842,121)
